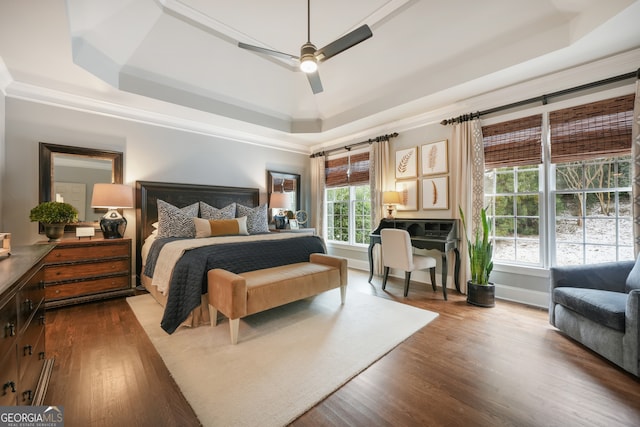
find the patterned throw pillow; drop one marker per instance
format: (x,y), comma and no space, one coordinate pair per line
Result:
(257,220)
(176,222)
(209,212)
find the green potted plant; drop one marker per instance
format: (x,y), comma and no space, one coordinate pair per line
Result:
(480,291)
(54,216)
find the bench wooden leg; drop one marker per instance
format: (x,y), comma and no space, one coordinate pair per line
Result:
(234,325)
(213,315)
(343,294)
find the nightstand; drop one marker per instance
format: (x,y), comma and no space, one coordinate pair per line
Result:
(78,271)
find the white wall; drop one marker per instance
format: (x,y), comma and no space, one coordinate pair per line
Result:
(151,153)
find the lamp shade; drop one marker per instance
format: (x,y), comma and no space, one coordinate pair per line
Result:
(112,196)
(391,198)
(279,201)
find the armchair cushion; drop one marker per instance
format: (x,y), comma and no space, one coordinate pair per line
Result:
(633,279)
(603,307)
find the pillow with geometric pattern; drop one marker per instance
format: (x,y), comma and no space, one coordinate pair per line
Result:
(257,220)
(176,222)
(209,212)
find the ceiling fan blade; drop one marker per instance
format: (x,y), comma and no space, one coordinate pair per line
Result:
(351,39)
(314,81)
(266,51)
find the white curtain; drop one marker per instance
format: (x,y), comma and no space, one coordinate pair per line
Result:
(317,195)
(635,154)
(378,167)
(469,167)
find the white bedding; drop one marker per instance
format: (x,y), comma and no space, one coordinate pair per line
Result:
(172,251)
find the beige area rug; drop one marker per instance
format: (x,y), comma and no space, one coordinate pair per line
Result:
(287,359)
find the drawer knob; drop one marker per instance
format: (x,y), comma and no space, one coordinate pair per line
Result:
(41,355)
(41,320)
(28,349)
(26,395)
(11,385)
(10,330)
(28,304)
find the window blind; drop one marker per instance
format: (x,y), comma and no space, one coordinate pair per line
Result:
(597,129)
(348,170)
(513,143)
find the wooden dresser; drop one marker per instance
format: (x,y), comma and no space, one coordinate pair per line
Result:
(24,368)
(86,270)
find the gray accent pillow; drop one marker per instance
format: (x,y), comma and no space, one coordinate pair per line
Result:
(633,279)
(209,212)
(176,222)
(257,220)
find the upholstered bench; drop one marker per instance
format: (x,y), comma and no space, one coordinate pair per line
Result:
(240,295)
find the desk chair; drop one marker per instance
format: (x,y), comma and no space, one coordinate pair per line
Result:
(397,252)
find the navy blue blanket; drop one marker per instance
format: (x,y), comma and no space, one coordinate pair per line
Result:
(189,277)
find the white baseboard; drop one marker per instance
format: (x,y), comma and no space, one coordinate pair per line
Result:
(503,292)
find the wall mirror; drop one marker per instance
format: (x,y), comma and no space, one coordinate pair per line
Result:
(68,174)
(286,183)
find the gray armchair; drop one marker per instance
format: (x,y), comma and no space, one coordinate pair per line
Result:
(598,306)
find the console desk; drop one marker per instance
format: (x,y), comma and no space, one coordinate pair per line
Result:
(438,234)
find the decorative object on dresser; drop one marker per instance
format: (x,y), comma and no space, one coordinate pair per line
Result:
(279,201)
(391,199)
(112,197)
(85,270)
(24,368)
(54,216)
(5,244)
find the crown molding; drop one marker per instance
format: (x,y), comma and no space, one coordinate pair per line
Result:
(47,96)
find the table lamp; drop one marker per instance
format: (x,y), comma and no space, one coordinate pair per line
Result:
(279,201)
(112,197)
(391,198)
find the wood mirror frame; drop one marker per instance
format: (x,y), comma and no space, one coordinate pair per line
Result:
(47,153)
(274,176)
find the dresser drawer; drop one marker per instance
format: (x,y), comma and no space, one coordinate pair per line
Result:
(29,298)
(30,363)
(64,253)
(88,287)
(58,273)
(8,379)
(28,340)
(9,323)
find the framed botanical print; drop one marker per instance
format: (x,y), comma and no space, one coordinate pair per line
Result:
(435,159)
(435,193)
(408,195)
(407,163)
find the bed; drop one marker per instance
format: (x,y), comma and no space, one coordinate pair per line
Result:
(173,268)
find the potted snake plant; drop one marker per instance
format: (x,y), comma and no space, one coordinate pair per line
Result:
(480,291)
(54,216)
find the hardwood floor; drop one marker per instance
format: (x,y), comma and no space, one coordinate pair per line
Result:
(501,366)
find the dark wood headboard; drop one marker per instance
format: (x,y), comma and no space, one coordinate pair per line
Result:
(180,195)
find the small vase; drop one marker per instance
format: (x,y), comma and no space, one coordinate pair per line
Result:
(481,295)
(54,231)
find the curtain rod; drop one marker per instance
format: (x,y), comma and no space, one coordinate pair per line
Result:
(357,144)
(543,98)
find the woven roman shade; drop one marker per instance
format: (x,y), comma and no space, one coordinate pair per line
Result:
(348,170)
(513,143)
(597,129)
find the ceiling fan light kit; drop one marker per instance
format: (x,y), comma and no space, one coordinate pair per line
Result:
(308,61)
(310,56)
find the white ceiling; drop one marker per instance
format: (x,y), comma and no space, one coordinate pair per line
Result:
(423,55)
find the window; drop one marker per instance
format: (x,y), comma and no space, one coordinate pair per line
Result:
(589,182)
(348,199)
(349,214)
(513,157)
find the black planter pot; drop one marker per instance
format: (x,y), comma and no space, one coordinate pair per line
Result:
(481,295)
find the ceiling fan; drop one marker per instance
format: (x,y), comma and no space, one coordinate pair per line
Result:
(310,56)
